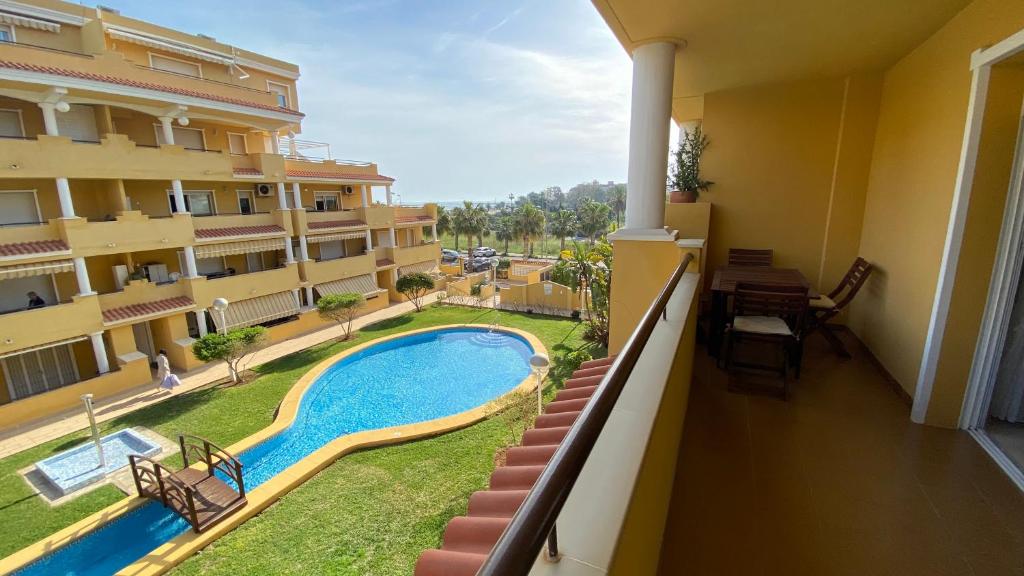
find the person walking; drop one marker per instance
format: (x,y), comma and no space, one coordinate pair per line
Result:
(166,380)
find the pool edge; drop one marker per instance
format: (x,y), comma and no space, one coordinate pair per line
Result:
(172,553)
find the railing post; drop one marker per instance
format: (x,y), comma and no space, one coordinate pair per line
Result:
(160,484)
(241,481)
(552,550)
(135,474)
(209,457)
(193,517)
(184,452)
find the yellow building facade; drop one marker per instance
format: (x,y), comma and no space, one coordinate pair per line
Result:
(147,172)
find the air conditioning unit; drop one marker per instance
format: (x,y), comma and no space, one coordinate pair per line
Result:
(348,189)
(264,190)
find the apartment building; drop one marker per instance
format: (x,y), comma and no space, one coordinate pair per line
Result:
(145,172)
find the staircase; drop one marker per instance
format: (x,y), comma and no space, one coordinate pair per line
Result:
(469,539)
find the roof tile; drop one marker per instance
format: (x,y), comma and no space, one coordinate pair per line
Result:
(336,175)
(122,313)
(208,233)
(32,248)
(336,224)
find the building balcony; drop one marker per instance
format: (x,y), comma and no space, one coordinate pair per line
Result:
(114,156)
(377,216)
(406,216)
(29,242)
(327,221)
(408,255)
(244,286)
(159,300)
(129,232)
(29,328)
(235,226)
(318,272)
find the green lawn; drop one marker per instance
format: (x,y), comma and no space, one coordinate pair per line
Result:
(372,512)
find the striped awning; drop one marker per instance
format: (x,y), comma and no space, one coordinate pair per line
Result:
(36,269)
(365,285)
(142,39)
(257,310)
(26,22)
(334,237)
(428,267)
(246,247)
(43,346)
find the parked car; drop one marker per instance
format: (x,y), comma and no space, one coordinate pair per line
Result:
(478,265)
(449,256)
(484,252)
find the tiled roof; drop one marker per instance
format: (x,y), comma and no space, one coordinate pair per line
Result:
(208,233)
(31,248)
(407,219)
(336,175)
(145,85)
(336,224)
(384,262)
(247,172)
(122,313)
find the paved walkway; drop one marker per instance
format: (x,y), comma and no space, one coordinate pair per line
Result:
(14,440)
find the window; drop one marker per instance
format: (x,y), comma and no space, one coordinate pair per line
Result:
(189,138)
(10,124)
(6,33)
(245,205)
(198,203)
(282,93)
(176,66)
(236,143)
(326,202)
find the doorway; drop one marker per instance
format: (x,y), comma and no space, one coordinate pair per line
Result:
(38,371)
(144,340)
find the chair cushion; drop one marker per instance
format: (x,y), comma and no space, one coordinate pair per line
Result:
(761,325)
(822,302)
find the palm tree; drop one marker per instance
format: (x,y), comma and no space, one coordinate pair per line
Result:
(527,223)
(458,223)
(503,231)
(444,220)
(593,218)
(563,223)
(590,275)
(474,221)
(617,202)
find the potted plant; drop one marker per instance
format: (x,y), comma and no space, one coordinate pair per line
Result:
(503,266)
(684,179)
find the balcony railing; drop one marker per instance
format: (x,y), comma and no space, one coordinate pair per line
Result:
(533,525)
(406,255)
(244,286)
(320,271)
(39,326)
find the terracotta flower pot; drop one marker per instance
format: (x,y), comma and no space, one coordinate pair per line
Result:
(682,197)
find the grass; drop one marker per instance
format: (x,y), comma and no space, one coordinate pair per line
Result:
(371,512)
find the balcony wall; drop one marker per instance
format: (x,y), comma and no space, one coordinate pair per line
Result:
(244,286)
(377,217)
(280,218)
(139,291)
(339,167)
(415,254)
(130,232)
(115,156)
(427,210)
(328,270)
(20,330)
(30,233)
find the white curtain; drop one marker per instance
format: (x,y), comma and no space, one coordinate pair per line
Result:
(1008,396)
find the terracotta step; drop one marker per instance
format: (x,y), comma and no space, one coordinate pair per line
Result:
(515,477)
(475,535)
(544,436)
(496,503)
(575,393)
(582,382)
(584,372)
(557,420)
(529,455)
(566,406)
(598,362)
(448,563)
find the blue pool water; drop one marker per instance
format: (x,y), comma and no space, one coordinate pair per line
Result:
(411,379)
(80,466)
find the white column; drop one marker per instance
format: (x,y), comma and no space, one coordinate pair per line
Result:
(179,197)
(201,321)
(388,189)
(369,240)
(282,197)
(168,129)
(394,241)
(275,143)
(190,262)
(433,230)
(292,149)
(303,248)
(297,195)
(650,117)
(82,277)
(394,276)
(99,349)
(67,208)
(289,252)
(362,192)
(309,296)
(49,118)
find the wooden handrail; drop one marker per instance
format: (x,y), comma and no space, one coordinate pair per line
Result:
(215,457)
(534,523)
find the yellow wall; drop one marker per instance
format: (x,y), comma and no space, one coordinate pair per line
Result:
(648,266)
(910,189)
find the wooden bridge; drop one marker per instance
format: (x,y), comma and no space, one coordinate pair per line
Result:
(199,496)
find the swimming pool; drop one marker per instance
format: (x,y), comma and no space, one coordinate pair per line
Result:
(413,378)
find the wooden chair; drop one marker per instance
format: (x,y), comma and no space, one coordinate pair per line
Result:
(771,314)
(827,306)
(749,257)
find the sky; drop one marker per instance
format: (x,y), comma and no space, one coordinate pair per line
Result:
(455,99)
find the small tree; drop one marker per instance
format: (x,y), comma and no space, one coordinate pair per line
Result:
(231,348)
(415,286)
(342,308)
(517,411)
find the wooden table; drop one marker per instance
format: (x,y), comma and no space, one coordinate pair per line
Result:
(724,285)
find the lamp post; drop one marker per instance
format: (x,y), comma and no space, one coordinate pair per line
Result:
(221,305)
(539,363)
(87,400)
